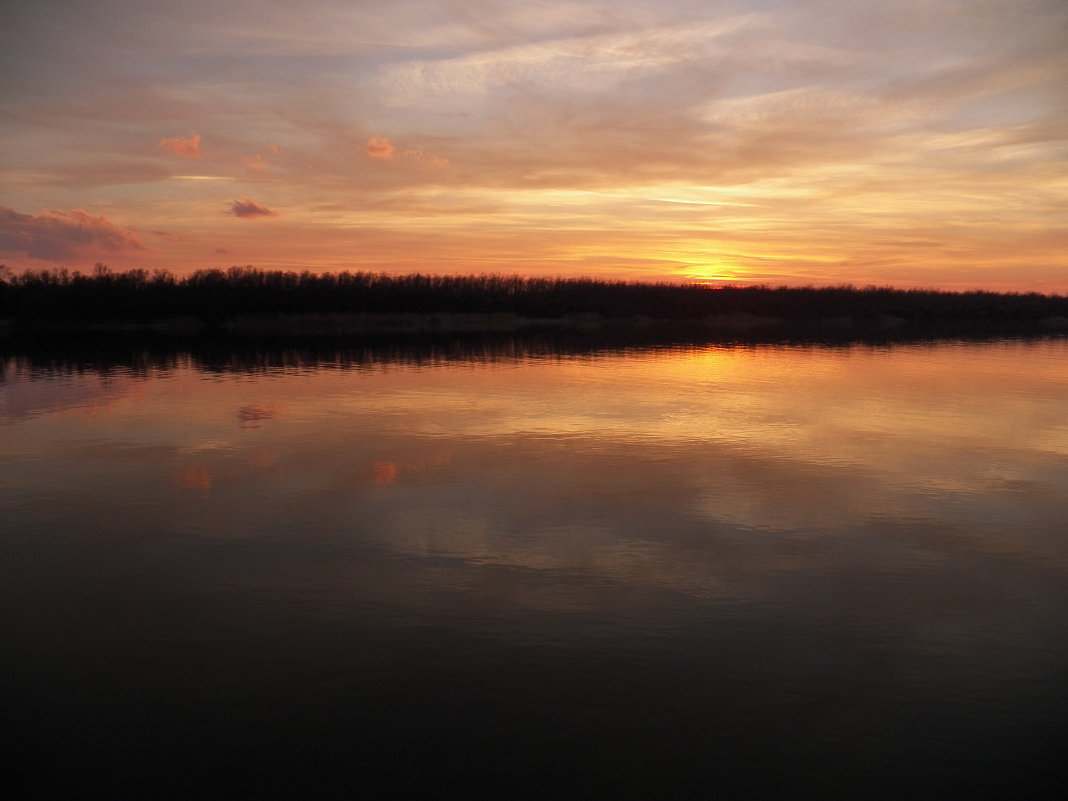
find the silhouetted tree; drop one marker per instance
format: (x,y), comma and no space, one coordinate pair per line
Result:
(214,295)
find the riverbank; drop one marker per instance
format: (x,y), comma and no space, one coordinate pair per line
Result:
(243,302)
(368,324)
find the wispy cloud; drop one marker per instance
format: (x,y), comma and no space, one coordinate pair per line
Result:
(185,146)
(245,207)
(62,234)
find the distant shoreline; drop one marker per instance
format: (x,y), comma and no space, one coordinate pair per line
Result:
(246,302)
(281,330)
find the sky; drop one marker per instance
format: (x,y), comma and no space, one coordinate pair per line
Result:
(915,143)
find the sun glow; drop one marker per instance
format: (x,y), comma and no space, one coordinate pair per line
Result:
(714,276)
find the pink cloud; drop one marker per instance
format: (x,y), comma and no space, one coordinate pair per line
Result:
(250,208)
(378,147)
(62,234)
(187,147)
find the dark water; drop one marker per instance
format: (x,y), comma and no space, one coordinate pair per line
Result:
(751,572)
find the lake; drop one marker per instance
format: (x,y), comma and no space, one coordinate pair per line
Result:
(538,571)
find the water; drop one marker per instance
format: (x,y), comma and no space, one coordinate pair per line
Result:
(532,572)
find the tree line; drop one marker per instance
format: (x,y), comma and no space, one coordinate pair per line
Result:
(214,295)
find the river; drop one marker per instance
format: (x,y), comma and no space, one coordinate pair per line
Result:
(769,571)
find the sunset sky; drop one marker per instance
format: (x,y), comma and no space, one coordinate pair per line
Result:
(905,142)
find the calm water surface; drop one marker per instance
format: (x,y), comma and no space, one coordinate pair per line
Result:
(750,572)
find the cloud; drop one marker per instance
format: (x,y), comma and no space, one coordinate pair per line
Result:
(187,147)
(378,147)
(256,163)
(62,234)
(250,208)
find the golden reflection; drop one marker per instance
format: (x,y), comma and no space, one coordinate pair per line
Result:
(579,463)
(904,414)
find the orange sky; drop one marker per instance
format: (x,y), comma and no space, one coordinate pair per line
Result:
(906,142)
